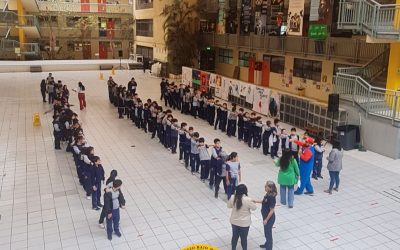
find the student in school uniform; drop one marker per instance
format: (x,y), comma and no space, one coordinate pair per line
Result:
(194,153)
(187,146)
(50,91)
(211,112)
(87,154)
(217,160)
(224,117)
(168,125)
(232,120)
(43,89)
(275,139)
(181,96)
(284,140)
(109,182)
(240,124)
(218,117)
(246,127)
(294,148)
(251,125)
(76,150)
(57,132)
(319,154)
(174,135)
(145,117)
(201,106)
(195,105)
(257,131)
(97,177)
(233,173)
(182,138)
(121,106)
(113,201)
(167,115)
(205,159)
(160,117)
(162,89)
(187,99)
(266,138)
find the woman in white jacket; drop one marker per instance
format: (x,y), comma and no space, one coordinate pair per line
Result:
(241,216)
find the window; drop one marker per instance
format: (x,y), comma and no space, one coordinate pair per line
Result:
(144,4)
(225,56)
(146,52)
(276,63)
(244,58)
(144,27)
(307,69)
(72,21)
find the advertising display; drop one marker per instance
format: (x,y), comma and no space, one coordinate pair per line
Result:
(245,17)
(261,100)
(196,78)
(295,18)
(221,17)
(186,75)
(231,19)
(204,76)
(320,11)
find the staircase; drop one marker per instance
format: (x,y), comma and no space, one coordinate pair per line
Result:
(380,21)
(352,84)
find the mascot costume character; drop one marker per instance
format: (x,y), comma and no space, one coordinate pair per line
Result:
(306,165)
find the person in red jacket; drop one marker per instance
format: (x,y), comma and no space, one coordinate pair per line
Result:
(306,165)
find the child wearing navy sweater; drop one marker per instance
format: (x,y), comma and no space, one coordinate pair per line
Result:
(97,177)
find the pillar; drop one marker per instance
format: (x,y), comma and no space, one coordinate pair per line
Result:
(21,23)
(393,76)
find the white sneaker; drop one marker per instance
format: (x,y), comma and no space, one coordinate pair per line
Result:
(181,161)
(88,197)
(101,226)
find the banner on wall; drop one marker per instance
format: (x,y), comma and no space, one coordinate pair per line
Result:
(320,11)
(221,17)
(195,78)
(295,17)
(250,93)
(218,86)
(225,87)
(245,17)
(186,75)
(261,100)
(235,88)
(231,23)
(212,80)
(204,76)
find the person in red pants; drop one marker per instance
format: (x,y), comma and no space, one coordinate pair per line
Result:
(81,96)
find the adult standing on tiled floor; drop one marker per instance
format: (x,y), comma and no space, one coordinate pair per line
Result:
(334,166)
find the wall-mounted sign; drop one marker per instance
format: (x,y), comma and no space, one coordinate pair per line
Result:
(318,31)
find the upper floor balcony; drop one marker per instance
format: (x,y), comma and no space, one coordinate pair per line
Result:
(352,50)
(86,6)
(28,23)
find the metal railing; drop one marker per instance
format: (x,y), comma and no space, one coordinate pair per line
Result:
(347,49)
(11,18)
(374,101)
(375,19)
(25,48)
(3,5)
(66,32)
(64,6)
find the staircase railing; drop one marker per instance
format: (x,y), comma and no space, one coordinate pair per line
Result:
(25,48)
(370,17)
(352,84)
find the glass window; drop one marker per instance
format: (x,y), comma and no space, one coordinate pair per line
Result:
(225,56)
(308,69)
(144,27)
(244,58)
(276,63)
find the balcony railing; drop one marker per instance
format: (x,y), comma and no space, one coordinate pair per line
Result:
(347,49)
(114,34)
(375,19)
(140,4)
(11,18)
(64,6)
(25,48)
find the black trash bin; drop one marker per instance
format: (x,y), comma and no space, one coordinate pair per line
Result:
(349,136)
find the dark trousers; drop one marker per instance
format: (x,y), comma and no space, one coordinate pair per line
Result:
(274,149)
(317,168)
(241,232)
(335,180)
(268,232)
(181,149)
(194,111)
(218,180)
(265,143)
(121,112)
(113,223)
(102,216)
(217,121)
(44,95)
(194,162)
(51,97)
(296,156)
(205,169)
(186,156)
(245,134)
(231,187)
(57,139)
(87,185)
(174,143)
(250,138)
(231,130)
(257,140)
(222,125)
(96,196)
(211,118)
(240,133)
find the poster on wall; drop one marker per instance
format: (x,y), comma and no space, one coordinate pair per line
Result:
(295,17)
(245,17)
(186,75)
(218,86)
(195,78)
(261,100)
(221,17)
(235,88)
(257,17)
(274,103)
(231,23)
(204,76)
(320,11)
(212,80)
(250,94)
(225,87)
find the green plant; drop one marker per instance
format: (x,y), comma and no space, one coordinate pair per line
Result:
(181,35)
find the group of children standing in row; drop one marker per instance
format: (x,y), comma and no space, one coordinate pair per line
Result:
(90,172)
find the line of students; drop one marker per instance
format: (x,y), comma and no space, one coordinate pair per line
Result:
(194,154)
(90,171)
